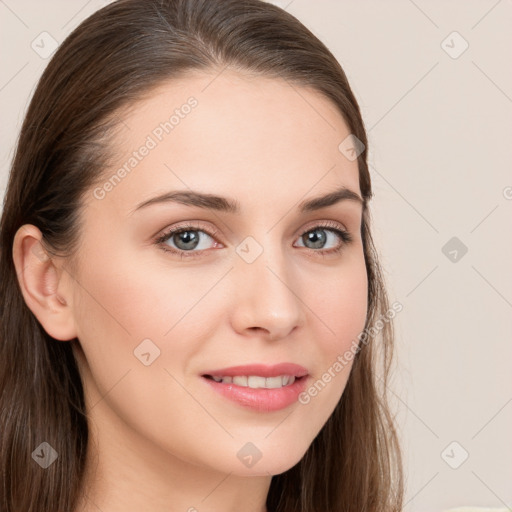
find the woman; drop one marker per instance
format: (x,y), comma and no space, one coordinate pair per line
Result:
(193,313)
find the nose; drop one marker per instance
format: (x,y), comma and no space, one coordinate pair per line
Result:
(266,297)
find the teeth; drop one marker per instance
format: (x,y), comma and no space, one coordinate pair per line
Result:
(270,382)
(240,381)
(225,380)
(256,381)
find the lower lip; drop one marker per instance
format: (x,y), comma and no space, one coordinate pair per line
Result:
(261,399)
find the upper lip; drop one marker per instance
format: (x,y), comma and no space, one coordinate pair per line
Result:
(260,370)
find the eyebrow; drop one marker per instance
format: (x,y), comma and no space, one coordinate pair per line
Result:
(228,205)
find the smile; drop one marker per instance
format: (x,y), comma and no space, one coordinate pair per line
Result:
(261,394)
(256,381)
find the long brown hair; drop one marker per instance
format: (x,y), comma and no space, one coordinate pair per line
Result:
(112,59)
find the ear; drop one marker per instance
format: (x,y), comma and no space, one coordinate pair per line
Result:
(44,285)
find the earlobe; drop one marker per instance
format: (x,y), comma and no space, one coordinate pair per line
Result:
(42,284)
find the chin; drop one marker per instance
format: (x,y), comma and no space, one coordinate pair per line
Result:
(267,466)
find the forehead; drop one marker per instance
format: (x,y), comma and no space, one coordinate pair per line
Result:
(261,139)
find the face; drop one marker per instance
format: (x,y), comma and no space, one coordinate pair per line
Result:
(255,278)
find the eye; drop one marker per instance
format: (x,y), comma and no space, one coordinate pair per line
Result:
(186,239)
(191,240)
(325,237)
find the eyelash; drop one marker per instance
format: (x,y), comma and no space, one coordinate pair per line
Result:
(345,236)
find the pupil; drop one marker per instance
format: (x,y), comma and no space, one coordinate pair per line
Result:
(317,237)
(186,240)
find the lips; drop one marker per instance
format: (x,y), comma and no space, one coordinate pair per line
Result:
(235,383)
(261,370)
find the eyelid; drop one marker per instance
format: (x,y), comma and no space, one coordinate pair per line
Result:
(197,225)
(321,223)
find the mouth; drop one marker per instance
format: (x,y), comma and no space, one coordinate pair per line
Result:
(259,387)
(256,381)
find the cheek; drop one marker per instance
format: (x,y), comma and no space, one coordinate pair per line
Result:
(123,303)
(340,314)
(140,299)
(342,306)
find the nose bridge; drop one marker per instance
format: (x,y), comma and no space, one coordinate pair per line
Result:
(265,295)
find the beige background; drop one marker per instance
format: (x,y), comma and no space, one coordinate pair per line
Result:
(440,132)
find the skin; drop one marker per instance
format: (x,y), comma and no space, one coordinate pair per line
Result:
(160,438)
